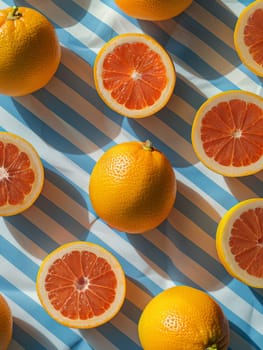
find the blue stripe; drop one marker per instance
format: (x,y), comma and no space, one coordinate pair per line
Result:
(31,231)
(87,20)
(66,185)
(69,222)
(219,11)
(48,134)
(26,340)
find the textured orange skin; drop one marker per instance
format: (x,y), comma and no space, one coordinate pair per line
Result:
(153,10)
(6,324)
(183,318)
(132,189)
(30,52)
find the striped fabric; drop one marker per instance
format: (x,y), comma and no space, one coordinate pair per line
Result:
(71,127)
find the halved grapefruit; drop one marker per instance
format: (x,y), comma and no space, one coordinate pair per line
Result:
(81,285)
(21,174)
(248,37)
(134,75)
(239,241)
(227,133)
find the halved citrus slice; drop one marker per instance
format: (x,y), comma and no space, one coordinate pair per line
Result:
(248,37)
(21,174)
(134,75)
(81,285)
(227,133)
(239,241)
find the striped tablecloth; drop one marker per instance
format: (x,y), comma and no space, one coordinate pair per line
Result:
(71,127)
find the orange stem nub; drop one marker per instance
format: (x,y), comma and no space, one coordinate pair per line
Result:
(13,15)
(147,146)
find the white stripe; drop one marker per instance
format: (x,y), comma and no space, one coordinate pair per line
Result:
(79,104)
(126,326)
(130,254)
(15,346)
(211,23)
(65,202)
(95,339)
(137,295)
(56,122)
(48,225)
(199,198)
(193,233)
(233,6)
(21,242)
(69,24)
(107,15)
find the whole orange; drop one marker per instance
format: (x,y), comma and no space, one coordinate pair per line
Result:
(183,318)
(133,187)
(30,52)
(6,324)
(153,10)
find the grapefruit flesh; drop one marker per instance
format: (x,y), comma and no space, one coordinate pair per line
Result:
(232,133)
(248,37)
(21,174)
(134,75)
(246,241)
(80,278)
(253,35)
(16,175)
(227,133)
(81,285)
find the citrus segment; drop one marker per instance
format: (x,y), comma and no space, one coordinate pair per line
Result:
(134,75)
(133,187)
(21,174)
(248,37)
(81,285)
(227,133)
(183,317)
(30,51)
(153,10)
(239,241)
(6,324)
